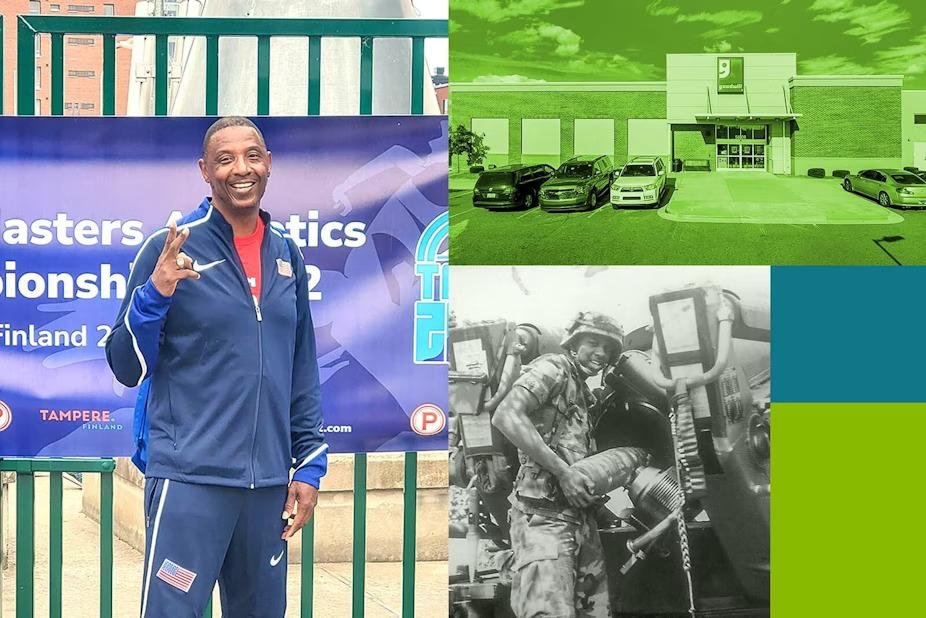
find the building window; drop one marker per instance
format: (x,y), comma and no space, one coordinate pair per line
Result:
(54,8)
(81,73)
(171,9)
(38,45)
(593,136)
(38,78)
(109,9)
(495,131)
(78,40)
(540,137)
(919,118)
(38,107)
(81,8)
(35,7)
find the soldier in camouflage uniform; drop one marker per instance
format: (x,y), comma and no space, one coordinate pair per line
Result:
(558,565)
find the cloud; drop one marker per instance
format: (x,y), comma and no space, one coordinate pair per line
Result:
(718,47)
(506,79)
(599,66)
(832,65)
(543,37)
(657,9)
(870,22)
(908,59)
(726,22)
(731,18)
(495,11)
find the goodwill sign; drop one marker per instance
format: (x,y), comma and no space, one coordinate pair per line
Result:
(365,198)
(730,75)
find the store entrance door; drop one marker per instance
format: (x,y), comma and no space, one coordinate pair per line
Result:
(741,147)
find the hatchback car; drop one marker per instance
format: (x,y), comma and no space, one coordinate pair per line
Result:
(578,184)
(890,187)
(511,186)
(641,181)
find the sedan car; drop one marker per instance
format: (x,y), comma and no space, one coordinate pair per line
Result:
(891,187)
(641,181)
(578,184)
(511,186)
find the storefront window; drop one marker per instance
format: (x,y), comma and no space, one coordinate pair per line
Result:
(722,132)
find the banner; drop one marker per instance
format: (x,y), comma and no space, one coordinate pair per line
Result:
(365,198)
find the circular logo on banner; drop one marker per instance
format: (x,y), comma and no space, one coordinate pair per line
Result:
(428,420)
(6,416)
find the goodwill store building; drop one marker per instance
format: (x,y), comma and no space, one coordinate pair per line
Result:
(722,112)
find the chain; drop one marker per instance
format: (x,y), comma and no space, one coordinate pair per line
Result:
(679,514)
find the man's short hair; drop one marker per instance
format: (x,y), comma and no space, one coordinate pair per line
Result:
(230,121)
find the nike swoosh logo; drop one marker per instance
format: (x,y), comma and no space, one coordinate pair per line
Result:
(275,560)
(201,267)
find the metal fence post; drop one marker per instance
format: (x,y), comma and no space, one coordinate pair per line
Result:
(360,534)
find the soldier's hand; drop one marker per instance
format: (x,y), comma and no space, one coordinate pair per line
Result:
(577,488)
(173,265)
(300,505)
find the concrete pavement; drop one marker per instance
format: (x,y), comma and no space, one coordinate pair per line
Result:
(647,236)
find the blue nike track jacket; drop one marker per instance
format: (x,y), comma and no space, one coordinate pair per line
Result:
(233,394)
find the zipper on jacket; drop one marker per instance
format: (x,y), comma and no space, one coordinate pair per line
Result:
(260,379)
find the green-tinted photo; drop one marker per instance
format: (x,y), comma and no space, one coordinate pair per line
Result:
(779,132)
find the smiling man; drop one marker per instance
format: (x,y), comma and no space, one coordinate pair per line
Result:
(216,329)
(558,567)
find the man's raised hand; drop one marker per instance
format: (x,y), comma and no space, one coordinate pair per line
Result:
(173,265)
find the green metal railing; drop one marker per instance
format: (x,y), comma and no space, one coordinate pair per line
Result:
(212,29)
(26,470)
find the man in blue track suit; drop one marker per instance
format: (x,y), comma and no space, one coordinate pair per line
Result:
(216,324)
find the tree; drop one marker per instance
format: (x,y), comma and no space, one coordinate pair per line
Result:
(465,142)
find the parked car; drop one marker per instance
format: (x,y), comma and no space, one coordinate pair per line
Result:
(578,184)
(891,187)
(641,181)
(510,186)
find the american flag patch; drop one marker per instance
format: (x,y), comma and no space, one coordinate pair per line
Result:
(176,575)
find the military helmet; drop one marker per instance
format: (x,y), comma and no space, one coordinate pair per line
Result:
(594,323)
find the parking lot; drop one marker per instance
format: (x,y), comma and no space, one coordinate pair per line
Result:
(705,218)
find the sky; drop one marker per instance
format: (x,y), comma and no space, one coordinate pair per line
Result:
(552,295)
(626,40)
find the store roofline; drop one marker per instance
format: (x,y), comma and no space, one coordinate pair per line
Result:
(741,116)
(558,86)
(847,80)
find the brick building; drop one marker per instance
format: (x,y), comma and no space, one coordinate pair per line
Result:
(83,57)
(742,113)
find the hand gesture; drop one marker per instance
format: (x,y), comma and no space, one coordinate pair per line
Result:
(577,488)
(300,505)
(173,265)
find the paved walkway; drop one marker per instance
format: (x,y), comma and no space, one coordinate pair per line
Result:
(80,597)
(758,197)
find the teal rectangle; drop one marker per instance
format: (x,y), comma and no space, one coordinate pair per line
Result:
(848,333)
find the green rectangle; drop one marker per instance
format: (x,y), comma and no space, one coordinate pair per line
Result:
(730,75)
(846,538)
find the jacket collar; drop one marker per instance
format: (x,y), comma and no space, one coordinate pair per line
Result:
(218,219)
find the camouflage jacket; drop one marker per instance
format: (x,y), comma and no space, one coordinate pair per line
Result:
(564,423)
